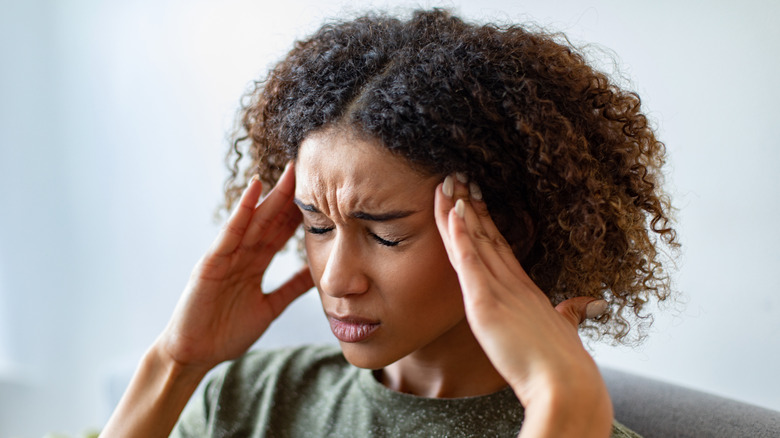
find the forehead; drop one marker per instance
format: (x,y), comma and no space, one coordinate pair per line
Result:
(334,166)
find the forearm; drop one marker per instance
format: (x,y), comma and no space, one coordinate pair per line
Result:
(155,398)
(582,409)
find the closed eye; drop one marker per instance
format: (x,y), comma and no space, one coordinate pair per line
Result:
(385,242)
(324,230)
(317,230)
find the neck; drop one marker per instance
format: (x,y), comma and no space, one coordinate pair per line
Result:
(449,369)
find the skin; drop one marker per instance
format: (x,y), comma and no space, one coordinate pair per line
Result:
(534,346)
(456,313)
(220,314)
(395,272)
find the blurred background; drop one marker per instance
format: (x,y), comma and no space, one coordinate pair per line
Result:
(113,124)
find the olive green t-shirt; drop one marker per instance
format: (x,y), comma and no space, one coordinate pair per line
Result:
(315,392)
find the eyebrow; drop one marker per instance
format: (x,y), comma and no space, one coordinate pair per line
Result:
(376,217)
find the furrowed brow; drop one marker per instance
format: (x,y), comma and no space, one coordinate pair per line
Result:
(382,217)
(305,207)
(374,217)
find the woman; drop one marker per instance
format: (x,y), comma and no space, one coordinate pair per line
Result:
(470,196)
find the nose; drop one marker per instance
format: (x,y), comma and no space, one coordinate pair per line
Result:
(344,272)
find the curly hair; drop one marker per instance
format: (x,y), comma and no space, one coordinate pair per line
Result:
(568,165)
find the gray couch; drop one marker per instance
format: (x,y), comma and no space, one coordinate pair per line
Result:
(656,409)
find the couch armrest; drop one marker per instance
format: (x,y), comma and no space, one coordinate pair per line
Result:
(657,409)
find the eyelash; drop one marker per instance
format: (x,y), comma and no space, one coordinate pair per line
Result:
(315,230)
(385,242)
(381,241)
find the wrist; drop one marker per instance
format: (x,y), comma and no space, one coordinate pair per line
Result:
(155,397)
(573,404)
(171,374)
(172,367)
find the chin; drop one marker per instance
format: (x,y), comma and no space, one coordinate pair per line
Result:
(363,356)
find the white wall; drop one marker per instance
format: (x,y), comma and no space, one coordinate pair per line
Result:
(112,124)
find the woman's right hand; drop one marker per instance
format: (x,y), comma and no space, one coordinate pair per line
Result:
(221,313)
(223,309)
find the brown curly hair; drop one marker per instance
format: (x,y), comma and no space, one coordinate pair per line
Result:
(568,164)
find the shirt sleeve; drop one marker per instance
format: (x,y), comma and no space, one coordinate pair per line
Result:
(621,431)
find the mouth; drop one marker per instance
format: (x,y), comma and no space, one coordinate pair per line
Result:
(352,329)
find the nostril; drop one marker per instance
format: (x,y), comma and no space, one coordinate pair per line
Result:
(341,278)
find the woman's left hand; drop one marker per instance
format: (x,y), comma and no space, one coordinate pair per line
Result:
(533,345)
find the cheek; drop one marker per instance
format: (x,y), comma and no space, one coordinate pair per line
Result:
(316,257)
(431,275)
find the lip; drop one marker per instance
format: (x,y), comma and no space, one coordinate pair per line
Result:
(352,329)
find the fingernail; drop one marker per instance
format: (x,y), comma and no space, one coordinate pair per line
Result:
(462,177)
(252,180)
(474,191)
(594,309)
(460,208)
(448,187)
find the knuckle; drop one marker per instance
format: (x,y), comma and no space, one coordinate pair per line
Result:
(501,243)
(243,207)
(232,229)
(467,258)
(495,240)
(264,223)
(482,235)
(481,210)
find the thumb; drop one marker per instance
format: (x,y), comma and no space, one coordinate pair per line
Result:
(578,309)
(290,290)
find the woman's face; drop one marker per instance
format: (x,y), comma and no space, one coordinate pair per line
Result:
(375,253)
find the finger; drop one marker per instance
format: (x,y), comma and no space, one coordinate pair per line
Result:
(443,203)
(459,191)
(578,309)
(447,193)
(271,206)
(495,251)
(290,290)
(233,231)
(461,188)
(280,231)
(490,261)
(485,245)
(286,228)
(492,234)
(289,216)
(473,275)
